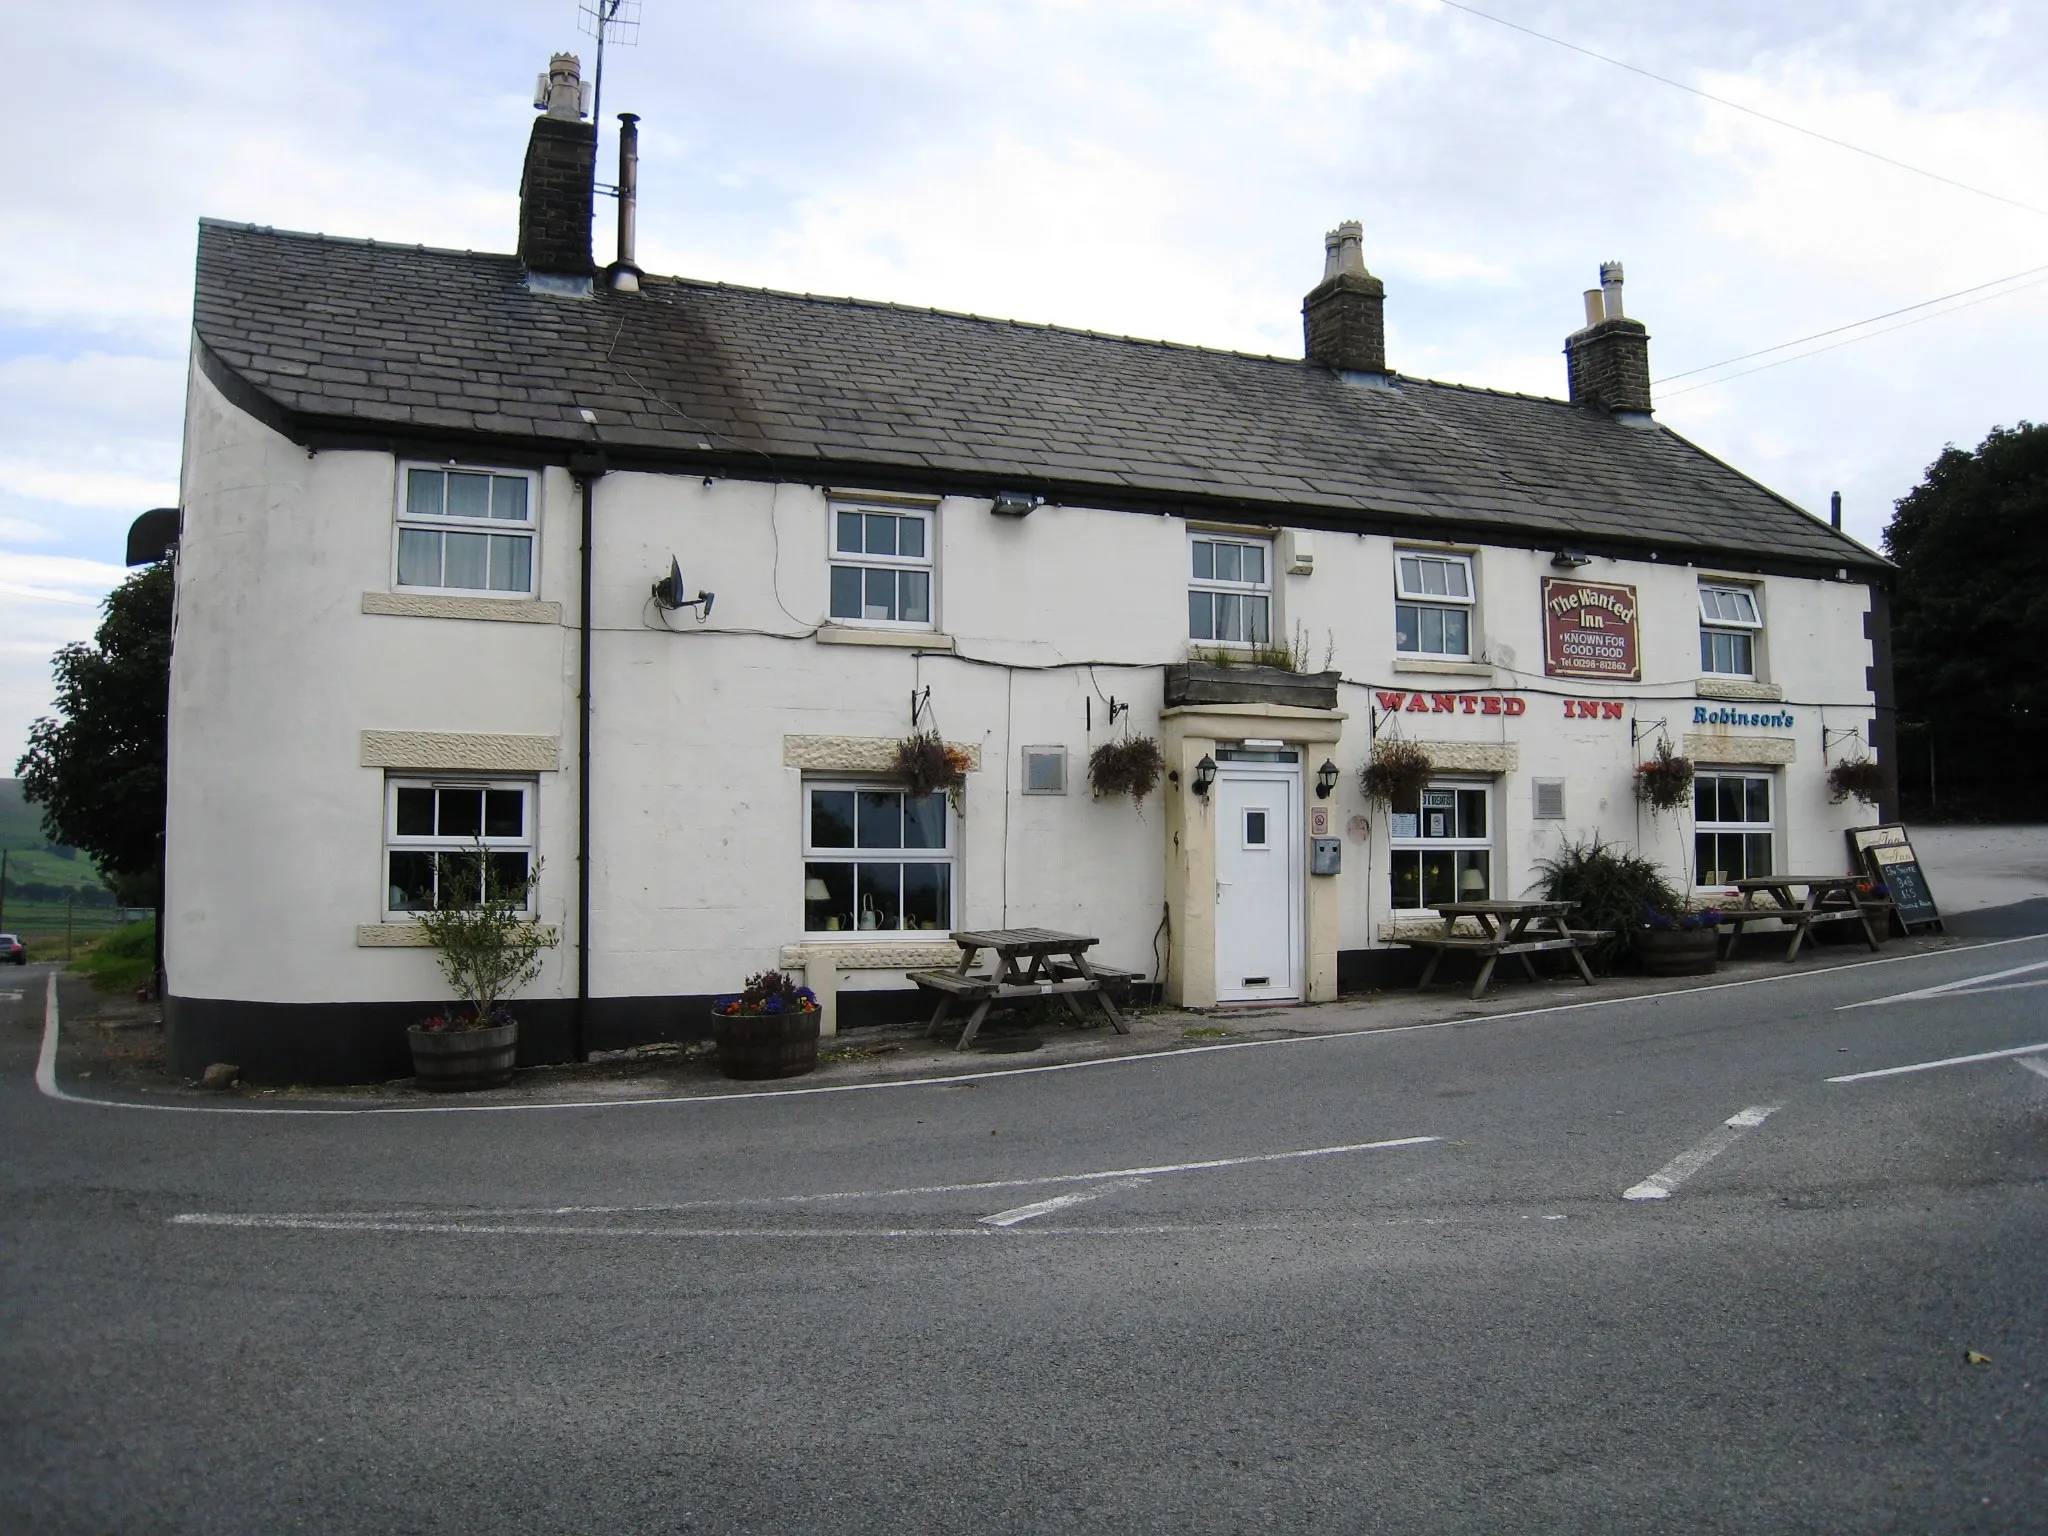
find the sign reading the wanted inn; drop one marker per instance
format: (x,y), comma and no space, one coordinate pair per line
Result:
(1589,630)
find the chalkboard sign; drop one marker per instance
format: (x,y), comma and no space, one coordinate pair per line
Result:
(1886,853)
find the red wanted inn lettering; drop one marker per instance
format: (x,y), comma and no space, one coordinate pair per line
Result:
(1452,703)
(1592,709)
(1589,630)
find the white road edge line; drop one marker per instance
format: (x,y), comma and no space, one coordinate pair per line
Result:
(1659,1185)
(1056,1203)
(1138,1175)
(1968,986)
(1946,1061)
(1151,1058)
(46,1058)
(2033,1064)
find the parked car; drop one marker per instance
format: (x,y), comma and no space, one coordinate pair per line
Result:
(13,949)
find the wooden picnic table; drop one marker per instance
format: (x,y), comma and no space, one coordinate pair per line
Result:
(1828,899)
(1029,963)
(1518,928)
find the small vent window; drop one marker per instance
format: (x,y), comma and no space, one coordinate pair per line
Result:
(1549,800)
(1045,770)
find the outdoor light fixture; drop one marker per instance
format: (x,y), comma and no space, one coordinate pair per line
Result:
(1205,775)
(1326,779)
(1016,503)
(1570,559)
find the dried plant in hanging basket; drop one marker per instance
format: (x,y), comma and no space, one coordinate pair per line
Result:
(925,763)
(1858,776)
(1664,782)
(1131,767)
(1397,775)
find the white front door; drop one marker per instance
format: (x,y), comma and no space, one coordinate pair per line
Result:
(1258,882)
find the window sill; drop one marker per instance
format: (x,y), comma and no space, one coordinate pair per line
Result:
(1444,668)
(902,639)
(435,605)
(1738,688)
(408,934)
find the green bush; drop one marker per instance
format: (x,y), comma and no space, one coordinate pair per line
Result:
(1613,889)
(122,961)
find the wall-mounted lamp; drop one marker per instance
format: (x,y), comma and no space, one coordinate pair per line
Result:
(1326,779)
(1205,775)
(1570,559)
(668,593)
(1016,503)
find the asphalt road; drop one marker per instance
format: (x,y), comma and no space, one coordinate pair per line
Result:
(646,1318)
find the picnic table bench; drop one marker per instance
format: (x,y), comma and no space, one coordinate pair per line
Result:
(1518,928)
(1029,963)
(1828,899)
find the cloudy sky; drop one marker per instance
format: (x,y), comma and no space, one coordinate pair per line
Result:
(1155,169)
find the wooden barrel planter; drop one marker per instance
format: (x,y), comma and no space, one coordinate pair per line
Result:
(762,1045)
(448,1060)
(1678,951)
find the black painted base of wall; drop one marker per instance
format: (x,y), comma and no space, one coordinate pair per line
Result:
(1383,970)
(334,1043)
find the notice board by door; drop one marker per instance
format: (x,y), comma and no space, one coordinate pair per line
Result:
(1886,854)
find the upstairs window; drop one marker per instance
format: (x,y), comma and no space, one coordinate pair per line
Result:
(882,566)
(466,530)
(1729,623)
(1230,598)
(1433,605)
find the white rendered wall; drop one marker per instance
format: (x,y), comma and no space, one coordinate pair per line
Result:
(275,837)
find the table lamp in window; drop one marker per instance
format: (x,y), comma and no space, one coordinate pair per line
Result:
(1472,885)
(815,890)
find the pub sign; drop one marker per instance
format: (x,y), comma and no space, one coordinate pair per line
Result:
(1589,630)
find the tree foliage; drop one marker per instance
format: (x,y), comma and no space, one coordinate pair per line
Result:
(1970,621)
(97,770)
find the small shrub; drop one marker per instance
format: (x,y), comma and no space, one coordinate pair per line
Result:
(1397,775)
(489,949)
(1858,776)
(1130,767)
(1664,782)
(1610,888)
(925,764)
(122,961)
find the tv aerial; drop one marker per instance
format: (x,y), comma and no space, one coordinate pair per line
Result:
(609,21)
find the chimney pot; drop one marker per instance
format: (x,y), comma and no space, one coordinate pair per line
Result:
(624,273)
(1608,362)
(1343,319)
(558,182)
(1835,511)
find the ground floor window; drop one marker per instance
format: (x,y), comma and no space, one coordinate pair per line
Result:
(1443,851)
(876,859)
(431,831)
(1732,827)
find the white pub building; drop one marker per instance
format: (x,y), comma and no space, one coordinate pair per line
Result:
(428,496)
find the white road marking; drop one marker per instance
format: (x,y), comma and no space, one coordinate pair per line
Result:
(1152,1058)
(1056,1203)
(1128,1175)
(10,997)
(1946,1061)
(1659,1185)
(2033,1064)
(1969,986)
(46,1058)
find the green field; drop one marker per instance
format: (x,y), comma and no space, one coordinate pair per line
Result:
(31,860)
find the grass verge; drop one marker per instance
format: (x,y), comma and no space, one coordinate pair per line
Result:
(123,960)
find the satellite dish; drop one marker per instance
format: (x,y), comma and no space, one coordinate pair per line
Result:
(669,590)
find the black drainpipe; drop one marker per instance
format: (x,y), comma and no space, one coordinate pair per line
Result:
(587,469)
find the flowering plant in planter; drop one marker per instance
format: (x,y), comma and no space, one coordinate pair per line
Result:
(1659,920)
(456,1019)
(769,992)
(1664,782)
(925,763)
(1397,775)
(1858,776)
(1131,767)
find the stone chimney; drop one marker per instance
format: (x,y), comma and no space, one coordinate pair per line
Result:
(556,188)
(1343,319)
(1608,361)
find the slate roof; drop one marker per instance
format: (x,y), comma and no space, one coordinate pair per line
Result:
(327,336)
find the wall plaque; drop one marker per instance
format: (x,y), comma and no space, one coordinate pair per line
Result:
(1589,630)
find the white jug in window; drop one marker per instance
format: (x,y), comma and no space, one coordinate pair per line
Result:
(869,917)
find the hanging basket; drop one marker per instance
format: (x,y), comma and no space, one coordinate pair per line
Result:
(1858,776)
(1397,775)
(1664,782)
(1129,767)
(926,764)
